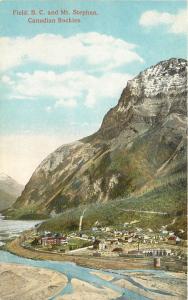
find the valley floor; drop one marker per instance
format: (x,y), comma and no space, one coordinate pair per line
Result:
(30,283)
(82,258)
(90,262)
(138,277)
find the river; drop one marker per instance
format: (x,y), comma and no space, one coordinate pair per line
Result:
(12,228)
(9,228)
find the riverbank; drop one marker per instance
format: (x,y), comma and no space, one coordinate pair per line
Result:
(29,283)
(118,263)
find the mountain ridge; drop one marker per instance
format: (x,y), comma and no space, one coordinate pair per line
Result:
(141,141)
(10,189)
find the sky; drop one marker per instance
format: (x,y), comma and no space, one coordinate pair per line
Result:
(58,80)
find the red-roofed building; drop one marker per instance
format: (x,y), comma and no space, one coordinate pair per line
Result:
(173,240)
(53,241)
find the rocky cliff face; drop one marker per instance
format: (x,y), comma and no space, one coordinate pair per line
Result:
(140,144)
(149,99)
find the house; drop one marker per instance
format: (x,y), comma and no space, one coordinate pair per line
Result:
(61,241)
(45,241)
(108,229)
(146,239)
(173,240)
(171,233)
(118,233)
(168,252)
(102,246)
(94,228)
(178,240)
(164,232)
(130,240)
(47,232)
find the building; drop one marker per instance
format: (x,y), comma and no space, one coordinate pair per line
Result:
(173,240)
(130,240)
(45,241)
(94,228)
(102,246)
(156,252)
(108,229)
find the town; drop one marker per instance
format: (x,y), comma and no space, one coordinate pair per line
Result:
(127,241)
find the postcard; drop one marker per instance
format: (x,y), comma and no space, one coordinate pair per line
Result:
(93,143)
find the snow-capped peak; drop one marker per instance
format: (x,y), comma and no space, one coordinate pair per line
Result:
(166,77)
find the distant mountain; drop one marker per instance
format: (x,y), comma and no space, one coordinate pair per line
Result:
(139,149)
(9,191)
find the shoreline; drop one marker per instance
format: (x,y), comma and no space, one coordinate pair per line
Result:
(137,283)
(14,247)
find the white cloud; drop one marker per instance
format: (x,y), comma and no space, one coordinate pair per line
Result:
(6,80)
(154,18)
(67,89)
(180,24)
(94,49)
(66,103)
(176,23)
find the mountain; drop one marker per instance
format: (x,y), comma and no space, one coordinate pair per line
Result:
(9,191)
(139,153)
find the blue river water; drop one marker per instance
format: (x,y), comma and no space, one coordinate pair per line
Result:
(72,270)
(11,228)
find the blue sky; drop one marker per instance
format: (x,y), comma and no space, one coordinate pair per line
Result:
(58,80)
